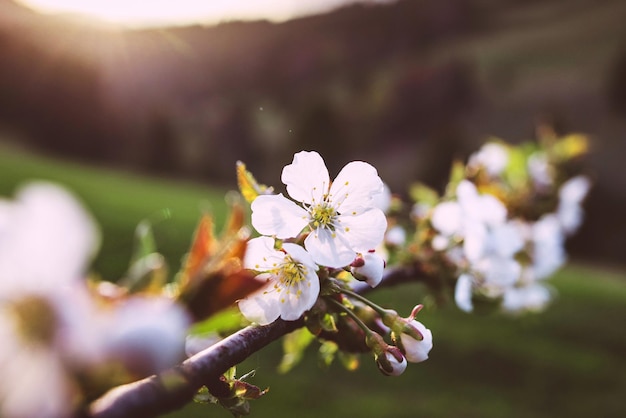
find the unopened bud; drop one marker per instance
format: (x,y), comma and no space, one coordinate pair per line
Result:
(391,362)
(368,267)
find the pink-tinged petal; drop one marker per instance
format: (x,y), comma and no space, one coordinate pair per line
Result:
(279,216)
(364,231)
(262,307)
(261,255)
(328,250)
(417,351)
(355,187)
(447,218)
(371,271)
(306,178)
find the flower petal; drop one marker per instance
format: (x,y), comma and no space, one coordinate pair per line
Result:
(261,255)
(306,178)
(261,307)
(300,297)
(46,224)
(463,293)
(364,231)
(277,215)
(355,187)
(447,218)
(328,250)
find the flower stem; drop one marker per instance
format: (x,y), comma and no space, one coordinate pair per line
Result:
(352,315)
(379,309)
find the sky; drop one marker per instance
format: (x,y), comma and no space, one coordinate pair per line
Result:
(147,13)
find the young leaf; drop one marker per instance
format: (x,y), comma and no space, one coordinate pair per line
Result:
(294,345)
(248,186)
(213,277)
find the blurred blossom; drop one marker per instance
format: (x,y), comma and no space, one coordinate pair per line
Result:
(468,218)
(571,195)
(342,217)
(292,283)
(46,241)
(395,236)
(533,297)
(493,157)
(548,247)
(147,334)
(540,170)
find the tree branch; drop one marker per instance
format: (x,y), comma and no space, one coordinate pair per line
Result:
(176,387)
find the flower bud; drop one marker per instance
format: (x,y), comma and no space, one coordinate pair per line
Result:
(368,267)
(416,350)
(391,362)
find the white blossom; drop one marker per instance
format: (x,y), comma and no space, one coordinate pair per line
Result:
(417,351)
(531,298)
(492,156)
(292,283)
(468,218)
(571,195)
(46,241)
(369,267)
(342,217)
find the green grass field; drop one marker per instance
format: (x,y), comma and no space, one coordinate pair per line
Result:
(567,362)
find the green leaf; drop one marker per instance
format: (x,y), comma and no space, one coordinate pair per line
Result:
(327,352)
(420,193)
(351,361)
(222,322)
(294,345)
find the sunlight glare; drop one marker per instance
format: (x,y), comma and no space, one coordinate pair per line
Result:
(141,13)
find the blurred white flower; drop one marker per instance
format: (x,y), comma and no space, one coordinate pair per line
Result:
(548,247)
(492,156)
(292,283)
(468,218)
(531,298)
(46,242)
(341,216)
(147,334)
(540,170)
(571,195)
(463,293)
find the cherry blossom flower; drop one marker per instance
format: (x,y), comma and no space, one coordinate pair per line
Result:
(492,156)
(534,297)
(46,240)
(292,283)
(468,218)
(341,216)
(571,195)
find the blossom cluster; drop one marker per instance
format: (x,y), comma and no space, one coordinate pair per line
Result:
(308,242)
(498,253)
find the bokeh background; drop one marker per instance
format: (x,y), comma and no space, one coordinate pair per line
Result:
(148,124)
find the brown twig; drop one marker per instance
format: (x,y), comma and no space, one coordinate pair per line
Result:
(176,387)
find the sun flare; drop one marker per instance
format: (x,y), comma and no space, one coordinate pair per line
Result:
(141,13)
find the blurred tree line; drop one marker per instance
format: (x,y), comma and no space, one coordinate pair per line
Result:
(394,84)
